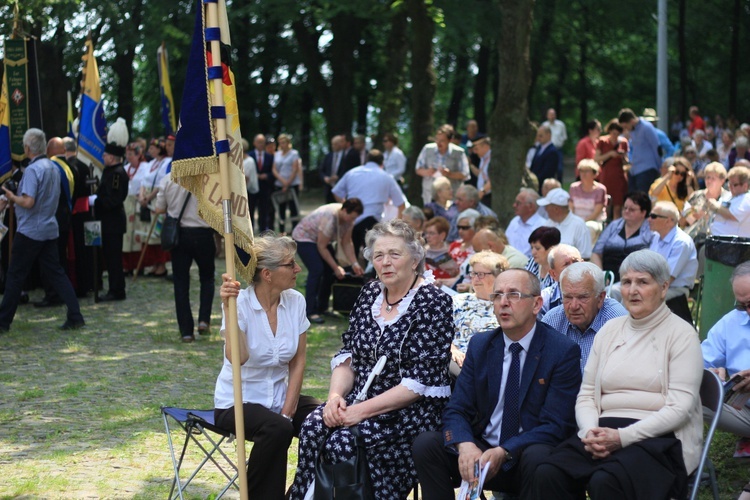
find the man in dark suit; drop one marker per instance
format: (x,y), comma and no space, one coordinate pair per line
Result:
(545,162)
(522,376)
(352,155)
(329,168)
(262,200)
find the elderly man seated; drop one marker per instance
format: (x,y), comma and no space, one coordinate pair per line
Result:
(559,257)
(726,351)
(678,248)
(572,228)
(585,306)
(512,403)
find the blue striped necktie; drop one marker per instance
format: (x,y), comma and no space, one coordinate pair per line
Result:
(511,408)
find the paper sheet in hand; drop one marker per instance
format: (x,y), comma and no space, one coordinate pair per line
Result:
(472,491)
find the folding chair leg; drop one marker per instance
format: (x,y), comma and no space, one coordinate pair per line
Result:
(712,479)
(175,465)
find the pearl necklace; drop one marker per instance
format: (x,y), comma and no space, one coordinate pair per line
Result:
(389,306)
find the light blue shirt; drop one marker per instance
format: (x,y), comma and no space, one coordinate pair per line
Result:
(373,186)
(644,148)
(556,319)
(679,250)
(728,343)
(41,181)
(667,148)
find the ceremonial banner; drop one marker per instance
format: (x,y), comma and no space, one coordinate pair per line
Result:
(17,81)
(92,130)
(195,163)
(167,103)
(5,159)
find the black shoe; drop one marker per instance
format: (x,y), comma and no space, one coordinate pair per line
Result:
(188,339)
(111,297)
(316,319)
(72,325)
(47,302)
(331,314)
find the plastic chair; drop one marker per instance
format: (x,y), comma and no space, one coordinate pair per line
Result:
(712,397)
(199,428)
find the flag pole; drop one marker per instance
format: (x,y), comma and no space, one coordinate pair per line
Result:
(212,21)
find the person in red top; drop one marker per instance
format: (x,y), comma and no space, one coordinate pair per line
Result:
(586,147)
(696,122)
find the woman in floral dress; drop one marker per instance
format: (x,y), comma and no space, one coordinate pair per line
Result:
(404,317)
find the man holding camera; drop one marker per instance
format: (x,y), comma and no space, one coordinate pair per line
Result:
(36,200)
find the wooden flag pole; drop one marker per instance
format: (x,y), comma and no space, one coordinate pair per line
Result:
(232,326)
(145,247)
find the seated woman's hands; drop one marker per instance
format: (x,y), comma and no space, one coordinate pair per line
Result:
(602,442)
(332,412)
(457,356)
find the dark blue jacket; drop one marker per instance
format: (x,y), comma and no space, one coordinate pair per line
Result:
(550,381)
(545,165)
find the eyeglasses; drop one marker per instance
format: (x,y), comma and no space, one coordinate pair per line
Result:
(479,275)
(463,228)
(657,216)
(291,264)
(681,173)
(513,297)
(741,306)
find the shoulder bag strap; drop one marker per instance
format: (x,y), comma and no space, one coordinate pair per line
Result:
(187,198)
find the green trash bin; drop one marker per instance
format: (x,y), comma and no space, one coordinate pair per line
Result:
(723,254)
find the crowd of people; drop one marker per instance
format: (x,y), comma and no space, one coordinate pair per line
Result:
(557,351)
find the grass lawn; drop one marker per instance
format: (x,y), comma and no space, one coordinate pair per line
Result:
(80,410)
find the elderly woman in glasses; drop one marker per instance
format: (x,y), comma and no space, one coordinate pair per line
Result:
(403,317)
(640,424)
(473,312)
(273,338)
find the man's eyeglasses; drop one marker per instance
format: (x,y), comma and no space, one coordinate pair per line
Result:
(463,228)
(513,297)
(741,306)
(657,216)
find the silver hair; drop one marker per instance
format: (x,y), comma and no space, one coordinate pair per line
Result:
(647,261)
(398,229)
(531,195)
(668,208)
(414,212)
(439,183)
(470,214)
(36,141)
(742,141)
(740,271)
(272,250)
(471,192)
(568,250)
(70,144)
(575,273)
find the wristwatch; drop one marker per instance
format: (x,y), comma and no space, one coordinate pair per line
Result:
(508,455)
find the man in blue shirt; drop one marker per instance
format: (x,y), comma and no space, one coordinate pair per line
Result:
(726,351)
(36,203)
(585,306)
(644,151)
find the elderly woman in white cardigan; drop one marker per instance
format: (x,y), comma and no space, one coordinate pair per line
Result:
(638,410)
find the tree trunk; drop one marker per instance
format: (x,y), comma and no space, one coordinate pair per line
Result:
(541,46)
(423,86)
(509,125)
(391,86)
(734,59)
(480,85)
(583,98)
(460,81)
(269,62)
(682,48)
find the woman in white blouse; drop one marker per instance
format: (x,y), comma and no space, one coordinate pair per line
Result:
(273,337)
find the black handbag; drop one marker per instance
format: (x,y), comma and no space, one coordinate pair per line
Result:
(349,479)
(170,230)
(145,214)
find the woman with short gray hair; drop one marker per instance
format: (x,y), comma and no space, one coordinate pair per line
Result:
(638,411)
(403,318)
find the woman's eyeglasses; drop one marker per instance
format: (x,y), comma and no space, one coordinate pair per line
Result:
(463,228)
(291,264)
(479,275)
(681,173)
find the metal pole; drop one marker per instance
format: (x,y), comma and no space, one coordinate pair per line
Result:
(662,77)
